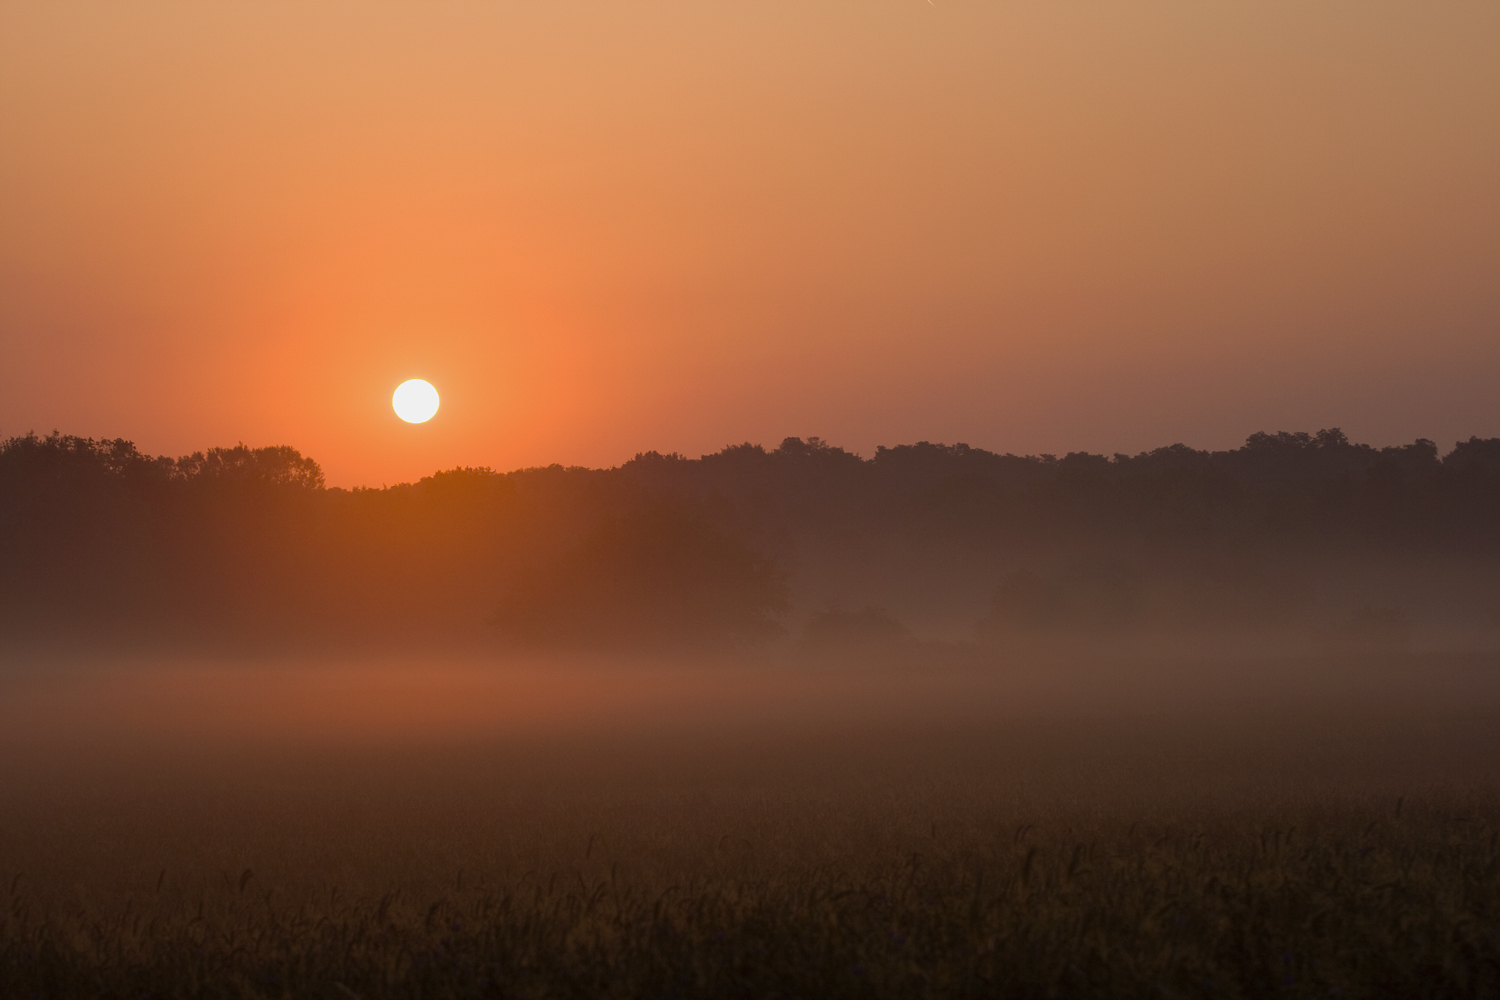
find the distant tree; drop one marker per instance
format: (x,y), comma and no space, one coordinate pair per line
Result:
(658,577)
(814,449)
(1476,456)
(279,465)
(1024,601)
(32,460)
(1089,597)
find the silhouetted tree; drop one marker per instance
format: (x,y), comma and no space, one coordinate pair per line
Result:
(274,466)
(658,577)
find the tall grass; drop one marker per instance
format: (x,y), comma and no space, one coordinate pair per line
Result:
(1384,900)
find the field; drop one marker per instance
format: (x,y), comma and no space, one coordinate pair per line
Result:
(1296,828)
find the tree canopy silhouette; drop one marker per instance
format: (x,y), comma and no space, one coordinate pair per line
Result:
(647,579)
(240,543)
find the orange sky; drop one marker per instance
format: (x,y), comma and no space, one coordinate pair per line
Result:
(604,228)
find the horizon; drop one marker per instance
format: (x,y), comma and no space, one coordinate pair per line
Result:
(1033,229)
(813,440)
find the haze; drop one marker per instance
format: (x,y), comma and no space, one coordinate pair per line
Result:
(600,229)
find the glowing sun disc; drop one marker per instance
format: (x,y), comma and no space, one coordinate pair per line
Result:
(415,401)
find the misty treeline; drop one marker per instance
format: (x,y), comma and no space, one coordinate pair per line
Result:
(99,542)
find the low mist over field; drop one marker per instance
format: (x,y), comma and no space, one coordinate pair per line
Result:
(618,826)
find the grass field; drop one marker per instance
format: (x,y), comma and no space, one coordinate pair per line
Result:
(1163,840)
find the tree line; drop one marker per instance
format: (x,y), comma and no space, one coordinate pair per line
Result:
(100,542)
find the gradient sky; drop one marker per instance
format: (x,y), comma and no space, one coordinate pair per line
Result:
(605,228)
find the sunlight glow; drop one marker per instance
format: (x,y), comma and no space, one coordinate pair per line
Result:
(415,401)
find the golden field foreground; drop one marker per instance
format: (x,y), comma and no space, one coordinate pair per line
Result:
(1276,828)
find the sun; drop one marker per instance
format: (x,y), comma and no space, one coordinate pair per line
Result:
(415,401)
